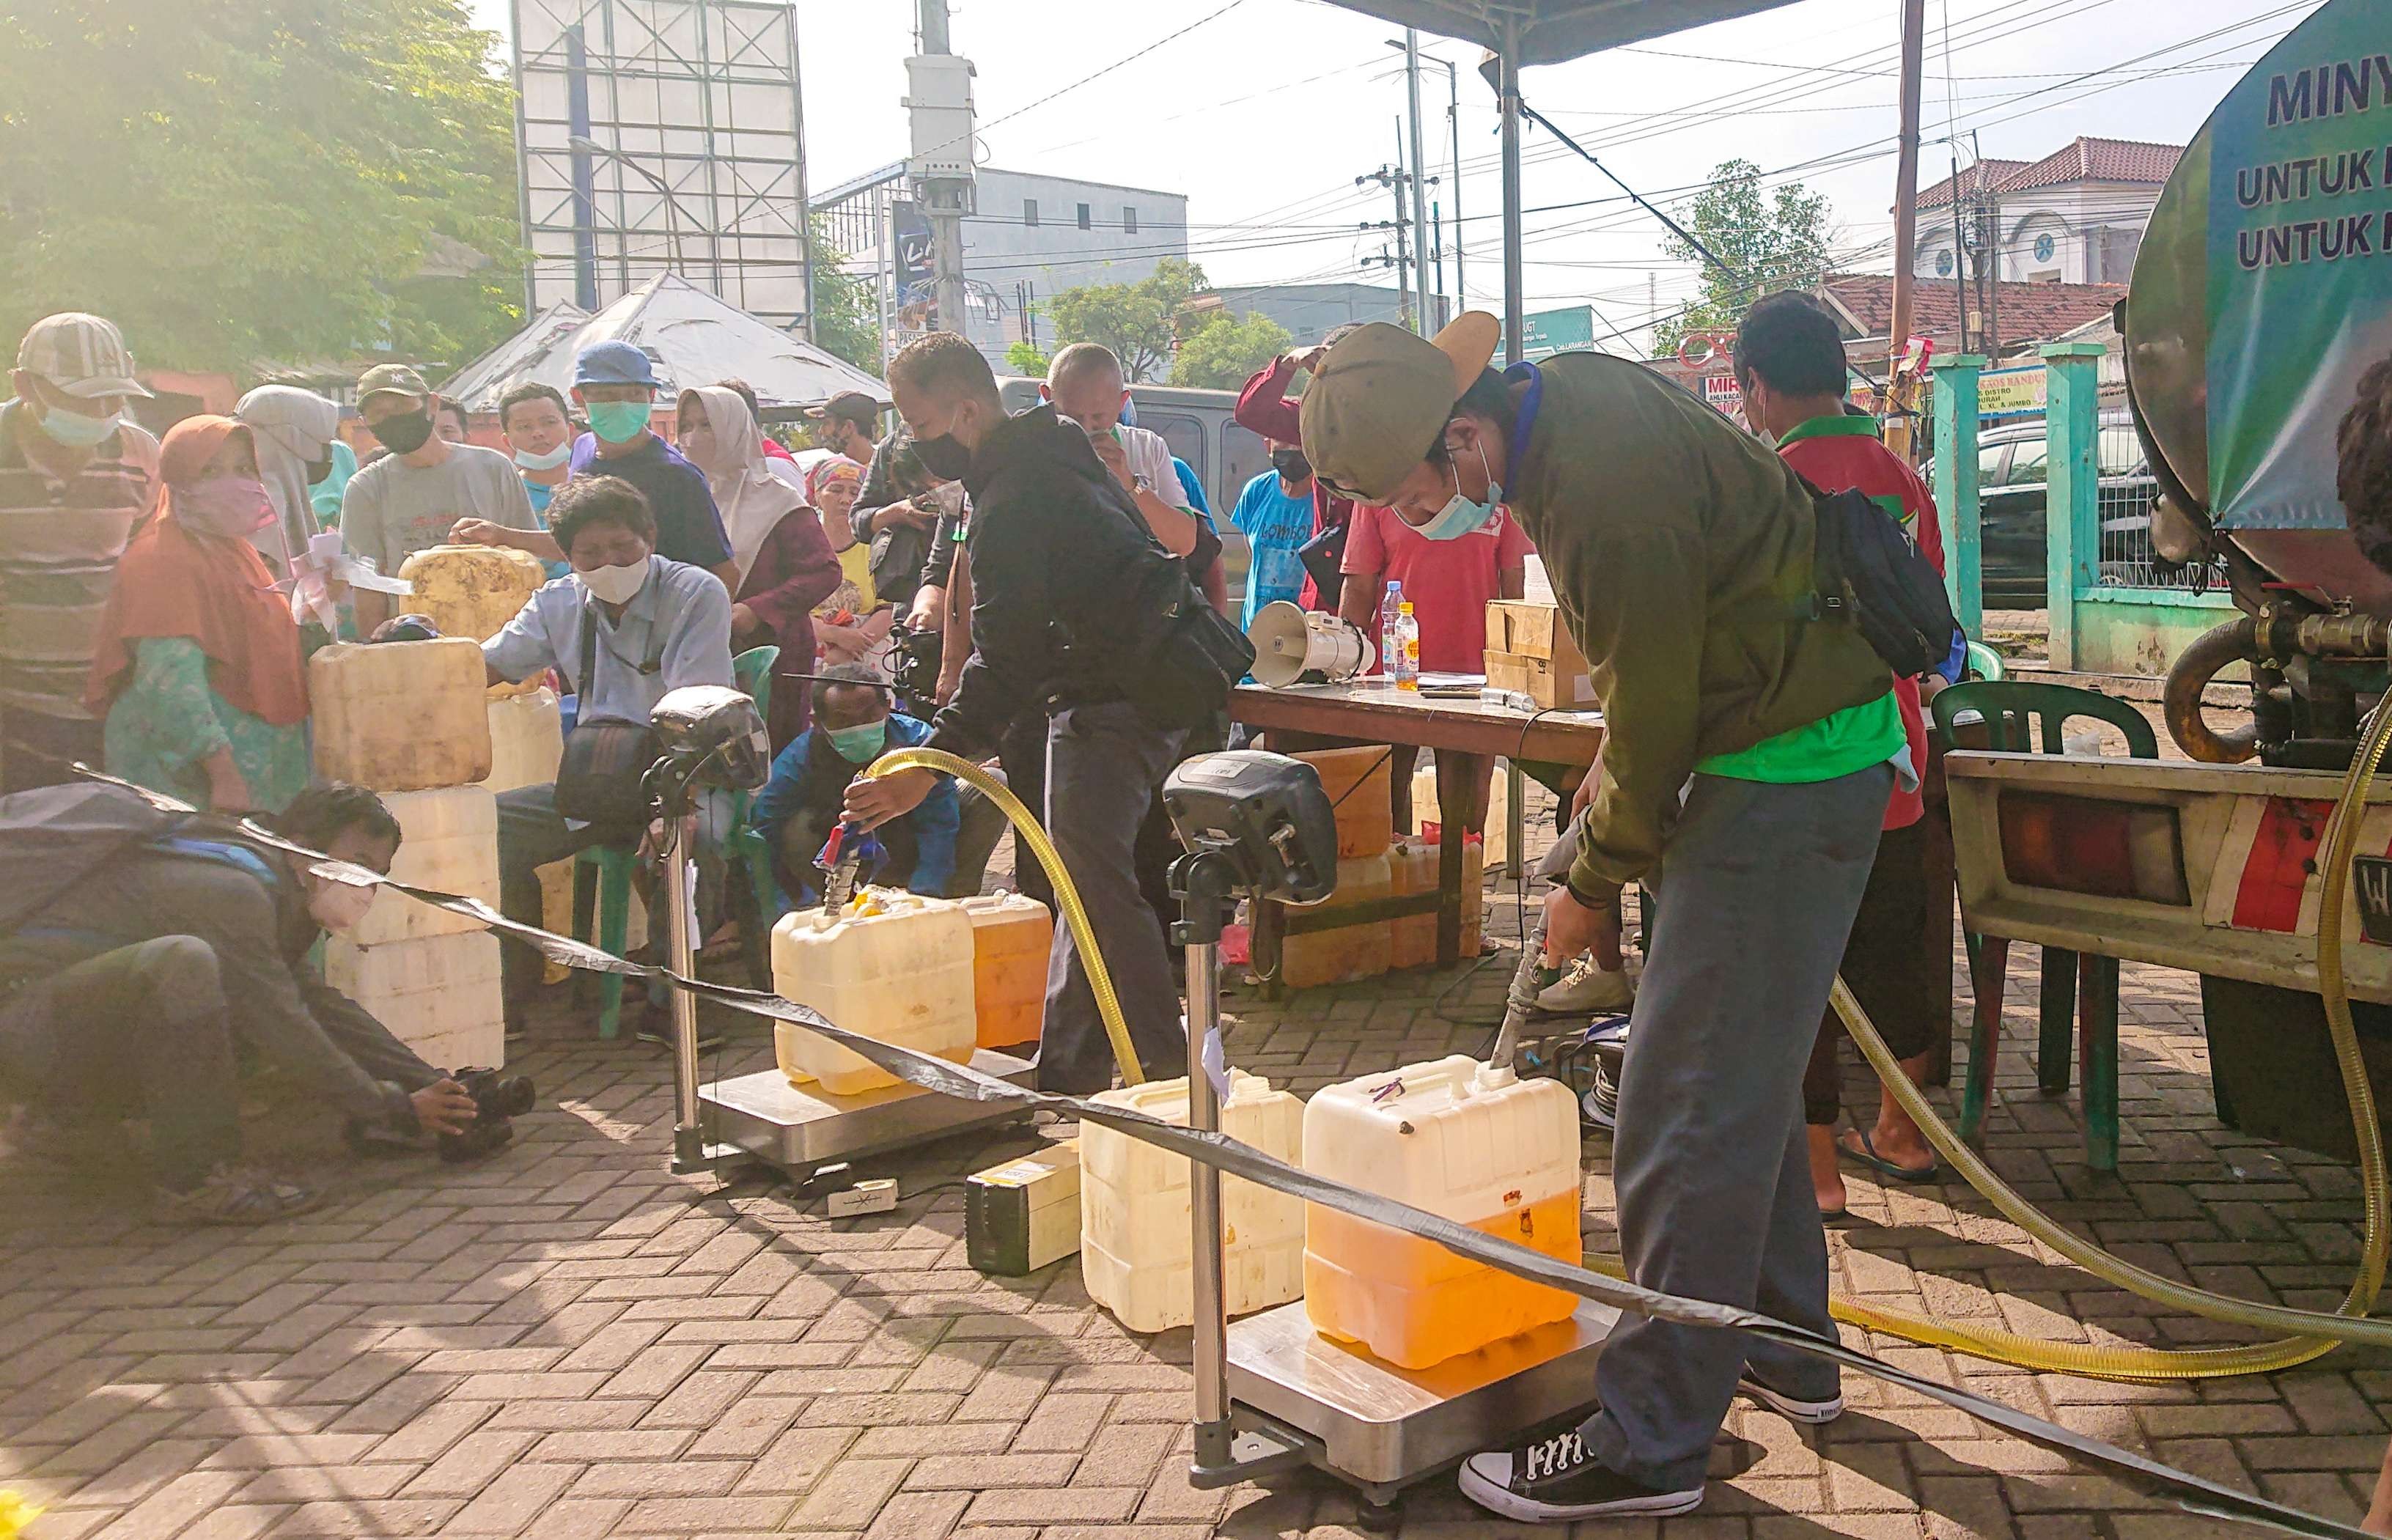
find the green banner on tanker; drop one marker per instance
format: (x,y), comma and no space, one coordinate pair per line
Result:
(2300,263)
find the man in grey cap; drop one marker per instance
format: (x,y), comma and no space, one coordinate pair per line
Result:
(427,490)
(75,476)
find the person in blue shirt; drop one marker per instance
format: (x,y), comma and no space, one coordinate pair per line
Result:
(940,849)
(1275,515)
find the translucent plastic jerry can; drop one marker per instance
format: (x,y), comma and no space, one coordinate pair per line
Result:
(473,591)
(526,740)
(1460,1140)
(401,715)
(892,965)
(1343,952)
(1135,1249)
(440,995)
(1413,864)
(1360,792)
(1012,936)
(449,841)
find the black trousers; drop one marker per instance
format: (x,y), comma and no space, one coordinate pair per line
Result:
(143,1030)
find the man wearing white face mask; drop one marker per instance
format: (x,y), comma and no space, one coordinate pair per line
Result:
(75,476)
(626,627)
(154,951)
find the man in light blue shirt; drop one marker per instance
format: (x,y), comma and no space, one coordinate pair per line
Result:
(661,624)
(1275,515)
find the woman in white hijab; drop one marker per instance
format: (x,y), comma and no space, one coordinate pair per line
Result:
(719,436)
(292,430)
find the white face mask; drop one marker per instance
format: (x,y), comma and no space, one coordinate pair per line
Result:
(548,462)
(614,585)
(338,906)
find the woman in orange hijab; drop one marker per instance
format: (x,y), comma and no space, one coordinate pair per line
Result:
(196,668)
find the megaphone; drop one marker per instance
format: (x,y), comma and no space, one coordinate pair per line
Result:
(1291,642)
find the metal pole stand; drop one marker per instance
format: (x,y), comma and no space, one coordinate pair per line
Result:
(691,1152)
(1203,881)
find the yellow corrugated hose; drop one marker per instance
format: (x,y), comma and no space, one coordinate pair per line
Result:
(2317,1333)
(1026,831)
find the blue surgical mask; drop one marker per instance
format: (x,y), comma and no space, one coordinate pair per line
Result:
(73,429)
(1460,515)
(859,743)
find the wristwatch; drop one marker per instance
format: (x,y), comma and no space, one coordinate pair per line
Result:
(1141,484)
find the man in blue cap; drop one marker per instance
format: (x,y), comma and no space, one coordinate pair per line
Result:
(616,388)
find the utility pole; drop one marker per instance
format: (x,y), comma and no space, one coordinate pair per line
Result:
(1960,251)
(1992,244)
(805,203)
(1905,185)
(939,103)
(1393,178)
(1420,170)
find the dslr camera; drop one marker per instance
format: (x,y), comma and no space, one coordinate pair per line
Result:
(498,1099)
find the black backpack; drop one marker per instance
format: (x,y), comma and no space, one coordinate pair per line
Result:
(1869,574)
(53,837)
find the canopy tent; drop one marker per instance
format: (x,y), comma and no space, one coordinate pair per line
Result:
(691,336)
(1521,32)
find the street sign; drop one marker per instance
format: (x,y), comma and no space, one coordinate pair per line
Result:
(2001,392)
(1547,332)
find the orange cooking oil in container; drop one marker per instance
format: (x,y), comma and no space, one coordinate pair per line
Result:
(892,965)
(1463,1141)
(1012,936)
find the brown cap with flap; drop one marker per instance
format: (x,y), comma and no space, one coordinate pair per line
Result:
(1383,396)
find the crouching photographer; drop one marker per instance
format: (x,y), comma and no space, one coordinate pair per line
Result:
(1080,613)
(140,952)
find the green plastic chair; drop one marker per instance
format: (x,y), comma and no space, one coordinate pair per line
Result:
(602,875)
(2086,986)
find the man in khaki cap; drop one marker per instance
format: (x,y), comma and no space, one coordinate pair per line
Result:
(427,491)
(75,476)
(1745,769)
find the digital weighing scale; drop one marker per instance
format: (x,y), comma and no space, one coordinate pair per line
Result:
(712,736)
(1272,1394)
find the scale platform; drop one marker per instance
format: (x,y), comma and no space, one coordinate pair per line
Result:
(1380,1428)
(800,1129)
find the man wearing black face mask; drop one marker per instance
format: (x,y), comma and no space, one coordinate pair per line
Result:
(412,497)
(1275,515)
(1078,609)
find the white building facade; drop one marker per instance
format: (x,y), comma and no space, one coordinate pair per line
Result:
(1029,238)
(2075,216)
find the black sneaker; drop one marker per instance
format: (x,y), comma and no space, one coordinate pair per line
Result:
(1556,1480)
(658,1034)
(1793,1408)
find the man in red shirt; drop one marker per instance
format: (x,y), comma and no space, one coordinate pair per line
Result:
(1789,365)
(1265,409)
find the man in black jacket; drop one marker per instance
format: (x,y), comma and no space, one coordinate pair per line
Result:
(1063,569)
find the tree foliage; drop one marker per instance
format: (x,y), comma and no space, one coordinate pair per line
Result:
(239,181)
(1226,351)
(1137,320)
(1023,358)
(1774,240)
(847,305)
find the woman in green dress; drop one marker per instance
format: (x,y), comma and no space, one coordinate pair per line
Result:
(197,669)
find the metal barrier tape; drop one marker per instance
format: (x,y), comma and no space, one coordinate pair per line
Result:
(2191,1493)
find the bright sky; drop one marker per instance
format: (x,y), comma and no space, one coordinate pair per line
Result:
(1264,111)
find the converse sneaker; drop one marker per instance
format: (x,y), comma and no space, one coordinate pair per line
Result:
(1556,1480)
(1792,1408)
(1588,991)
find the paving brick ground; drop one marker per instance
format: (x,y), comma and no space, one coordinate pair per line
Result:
(566,1341)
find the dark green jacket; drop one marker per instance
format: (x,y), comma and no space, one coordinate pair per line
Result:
(1676,542)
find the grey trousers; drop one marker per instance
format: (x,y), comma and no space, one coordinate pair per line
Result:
(1103,765)
(1753,899)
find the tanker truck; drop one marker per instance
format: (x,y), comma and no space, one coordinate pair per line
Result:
(2261,293)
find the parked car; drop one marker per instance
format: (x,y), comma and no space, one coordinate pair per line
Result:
(2010,493)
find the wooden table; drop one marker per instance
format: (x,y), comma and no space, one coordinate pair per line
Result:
(1471,729)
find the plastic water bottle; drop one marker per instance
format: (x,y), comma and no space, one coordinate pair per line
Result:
(1406,662)
(1391,606)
